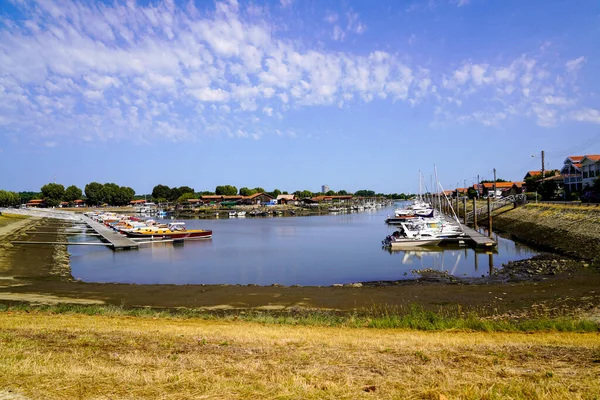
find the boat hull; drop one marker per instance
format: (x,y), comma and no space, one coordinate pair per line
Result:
(407,243)
(205,234)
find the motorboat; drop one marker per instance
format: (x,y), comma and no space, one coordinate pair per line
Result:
(174,230)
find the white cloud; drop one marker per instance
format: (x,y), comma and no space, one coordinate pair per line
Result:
(575,64)
(586,115)
(460,3)
(116,71)
(286,3)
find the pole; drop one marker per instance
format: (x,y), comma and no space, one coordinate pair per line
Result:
(465,210)
(474,213)
(489,216)
(494,183)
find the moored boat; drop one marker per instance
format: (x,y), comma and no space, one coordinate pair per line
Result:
(174,230)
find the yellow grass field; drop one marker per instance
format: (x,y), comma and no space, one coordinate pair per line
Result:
(69,356)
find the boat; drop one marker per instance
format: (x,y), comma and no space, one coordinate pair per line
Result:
(397,240)
(174,230)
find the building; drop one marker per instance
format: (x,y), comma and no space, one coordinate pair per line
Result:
(324,189)
(258,199)
(590,169)
(579,172)
(287,199)
(36,203)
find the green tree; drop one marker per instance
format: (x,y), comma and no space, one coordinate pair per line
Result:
(26,196)
(185,197)
(259,190)
(122,195)
(472,193)
(8,199)
(303,194)
(548,189)
(275,193)
(330,193)
(110,193)
(72,193)
(364,193)
(53,194)
(226,190)
(92,193)
(342,193)
(246,192)
(161,192)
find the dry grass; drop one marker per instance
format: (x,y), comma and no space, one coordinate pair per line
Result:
(7,219)
(77,356)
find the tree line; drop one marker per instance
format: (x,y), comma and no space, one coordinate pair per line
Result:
(110,193)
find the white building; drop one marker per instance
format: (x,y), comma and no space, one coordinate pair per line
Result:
(324,189)
(580,171)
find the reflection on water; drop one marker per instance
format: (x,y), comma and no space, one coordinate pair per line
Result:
(317,250)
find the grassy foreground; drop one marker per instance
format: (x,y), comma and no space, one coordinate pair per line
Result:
(48,355)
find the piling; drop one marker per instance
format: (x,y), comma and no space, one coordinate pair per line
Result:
(465,210)
(474,213)
(489,201)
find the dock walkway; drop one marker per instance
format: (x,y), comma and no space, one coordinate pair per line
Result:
(477,239)
(117,241)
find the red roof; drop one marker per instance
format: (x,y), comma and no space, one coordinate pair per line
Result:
(499,185)
(593,157)
(35,201)
(576,158)
(78,201)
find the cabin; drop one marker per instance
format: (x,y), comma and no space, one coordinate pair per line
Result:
(502,189)
(287,199)
(79,203)
(258,199)
(36,203)
(572,174)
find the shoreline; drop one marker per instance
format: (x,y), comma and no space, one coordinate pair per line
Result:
(41,275)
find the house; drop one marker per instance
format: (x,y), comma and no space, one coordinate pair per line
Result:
(572,174)
(531,174)
(137,202)
(328,199)
(501,188)
(79,203)
(590,169)
(258,198)
(287,199)
(36,203)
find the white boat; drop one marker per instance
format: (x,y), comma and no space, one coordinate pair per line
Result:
(232,214)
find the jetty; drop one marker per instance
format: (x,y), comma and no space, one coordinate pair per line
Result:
(477,239)
(117,241)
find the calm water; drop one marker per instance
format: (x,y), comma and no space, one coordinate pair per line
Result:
(319,250)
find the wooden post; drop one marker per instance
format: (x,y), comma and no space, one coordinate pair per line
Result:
(474,213)
(489,216)
(465,210)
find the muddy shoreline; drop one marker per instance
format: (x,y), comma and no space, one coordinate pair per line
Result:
(41,274)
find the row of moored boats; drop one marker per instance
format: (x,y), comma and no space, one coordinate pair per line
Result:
(149,229)
(419,224)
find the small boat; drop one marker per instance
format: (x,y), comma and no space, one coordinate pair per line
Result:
(174,230)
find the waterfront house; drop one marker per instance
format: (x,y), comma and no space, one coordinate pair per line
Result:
(257,199)
(287,199)
(36,203)
(572,174)
(590,169)
(79,203)
(501,188)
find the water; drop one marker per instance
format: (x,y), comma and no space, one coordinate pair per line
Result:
(319,250)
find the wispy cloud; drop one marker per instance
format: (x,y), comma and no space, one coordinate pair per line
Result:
(137,72)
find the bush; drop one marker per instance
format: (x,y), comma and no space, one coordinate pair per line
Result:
(531,196)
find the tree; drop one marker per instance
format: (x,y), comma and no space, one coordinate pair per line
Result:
(26,196)
(122,195)
(185,197)
(548,189)
(72,193)
(110,193)
(161,191)
(8,199)
(330,193)
(246,192)
(364,193)
(226,190)
(303,194)
(52,193)
(472,193)
(259,190)
(342,193)
(92,193)
(275,193)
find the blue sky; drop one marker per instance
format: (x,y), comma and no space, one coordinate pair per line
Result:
(294,94)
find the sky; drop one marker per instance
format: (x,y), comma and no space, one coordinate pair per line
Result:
(294,94)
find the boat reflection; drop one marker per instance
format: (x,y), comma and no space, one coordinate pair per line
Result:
(454,259)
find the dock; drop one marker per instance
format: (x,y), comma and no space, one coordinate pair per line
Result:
(477,239)
(117,241)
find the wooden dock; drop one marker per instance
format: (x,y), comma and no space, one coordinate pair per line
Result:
(117,241)
(477,239)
